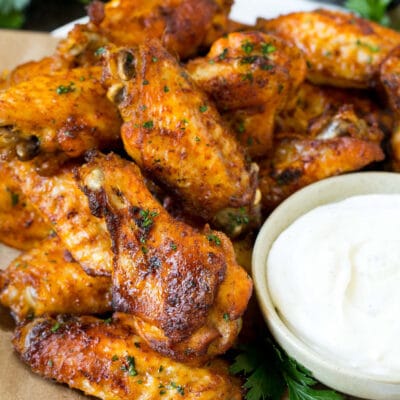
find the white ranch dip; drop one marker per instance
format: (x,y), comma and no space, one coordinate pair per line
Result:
(334,277)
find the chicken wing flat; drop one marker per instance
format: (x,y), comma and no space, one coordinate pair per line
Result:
(47,280)
(61,201)
(184,26)
(109,361)
(313,107)
(341,49)
(183,287)
(68,113)
(250,76)
(174,133)
(390,80)
(347,144)
(21,226)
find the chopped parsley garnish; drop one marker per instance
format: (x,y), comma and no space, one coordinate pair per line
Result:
(166,89)
(14,197)
(160,369)
(179,388)
(114,358)
(248,60)
(269,371)
(100,51)
(223,55)
(147,217)
(203,108)
(267,48)
(226,317)
(371,47)
(145,82)
(64,89)
(214,239)
(148,125)
(130,367)
(248,77)
(108,321)
(173,246)
(247,47)
(55,327)
(154,59)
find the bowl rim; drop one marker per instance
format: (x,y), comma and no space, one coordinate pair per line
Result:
(304,200)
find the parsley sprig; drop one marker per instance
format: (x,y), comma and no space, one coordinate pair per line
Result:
(269,372)
(374,10)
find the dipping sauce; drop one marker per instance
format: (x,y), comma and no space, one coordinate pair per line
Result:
(334,278)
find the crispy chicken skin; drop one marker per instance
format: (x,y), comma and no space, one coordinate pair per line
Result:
(61,201)
(250,76)
(47,280)
(313,107)
(183,287)
(346,144)
(109,361)
(174,133)
(390,80)
(341,49)
(184,26)
(21,226)
(68,113)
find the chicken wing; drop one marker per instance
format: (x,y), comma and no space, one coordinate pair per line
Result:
(346,144)
(68,113)
(183,288)
(184,26)
(313,107)
(174,133)
(47,280)
(109,361)
(390,80)
(20,224)
(341,49)
(250,76)
(60,200)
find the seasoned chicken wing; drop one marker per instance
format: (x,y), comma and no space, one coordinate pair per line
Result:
(21,226)
(250,76)
(390,79)
(68,113)
(346,144)
(174,133)
(109,361)
(341,49)
(60,200)
(184,26)
(183,288)
(47,280)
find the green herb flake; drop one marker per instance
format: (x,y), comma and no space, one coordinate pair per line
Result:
(145,250)
(179,388)
(108,321)
(203,108)
(50,363)
(55,327)
(14,197)
(248,60)
(371,47)
(166,89)
(129,367)
(226,317)
(248,77)
(114,358)
(154,59)
(137,345)
(247,47)
(160,369)
(173,246)
(214,239)
(197,139)
(148,125)
(100,51)
(145,82)
(223,55)
(64,89)
(267,48)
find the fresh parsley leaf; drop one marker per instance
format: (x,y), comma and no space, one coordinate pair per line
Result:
(374,10)
(269,371)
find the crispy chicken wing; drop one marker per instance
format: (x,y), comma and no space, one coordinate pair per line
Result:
(109,361)
(68,113)
(20,224)
(61,201)
(390,79)
(184,26)
(313,107)
(346,144)
(183,287)
(341,49)
(47,280)
(250,76)
(174,133)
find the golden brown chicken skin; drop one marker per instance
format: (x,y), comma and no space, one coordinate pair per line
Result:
(21,226)
(250,76)
(390,80)
(183,287)
(66,113)
(47,280)
(346,144)
(109,361)
(174,133)
(60,200)
(313,107)
(341,49)
(184,26)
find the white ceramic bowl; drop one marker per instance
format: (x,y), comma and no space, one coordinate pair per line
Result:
(346,380)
